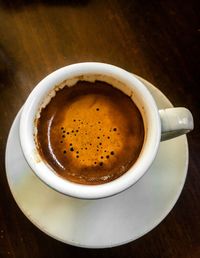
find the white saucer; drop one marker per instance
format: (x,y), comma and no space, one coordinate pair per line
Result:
(107,222)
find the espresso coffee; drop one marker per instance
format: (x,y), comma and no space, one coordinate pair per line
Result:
(90,133)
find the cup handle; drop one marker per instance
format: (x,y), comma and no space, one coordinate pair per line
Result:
(175,122)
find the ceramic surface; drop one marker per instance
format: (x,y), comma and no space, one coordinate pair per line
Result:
(106,222)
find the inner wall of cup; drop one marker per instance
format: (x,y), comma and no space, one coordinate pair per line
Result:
(91,78)
(130,91)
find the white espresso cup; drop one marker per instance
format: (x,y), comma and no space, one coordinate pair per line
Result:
(159,125)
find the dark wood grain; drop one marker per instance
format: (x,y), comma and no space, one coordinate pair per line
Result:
(157,40)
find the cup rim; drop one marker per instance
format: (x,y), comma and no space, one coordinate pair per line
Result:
(46,173)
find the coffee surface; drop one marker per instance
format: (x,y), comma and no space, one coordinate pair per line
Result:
(90,133)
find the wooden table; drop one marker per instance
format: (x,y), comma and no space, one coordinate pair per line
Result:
(154,39)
